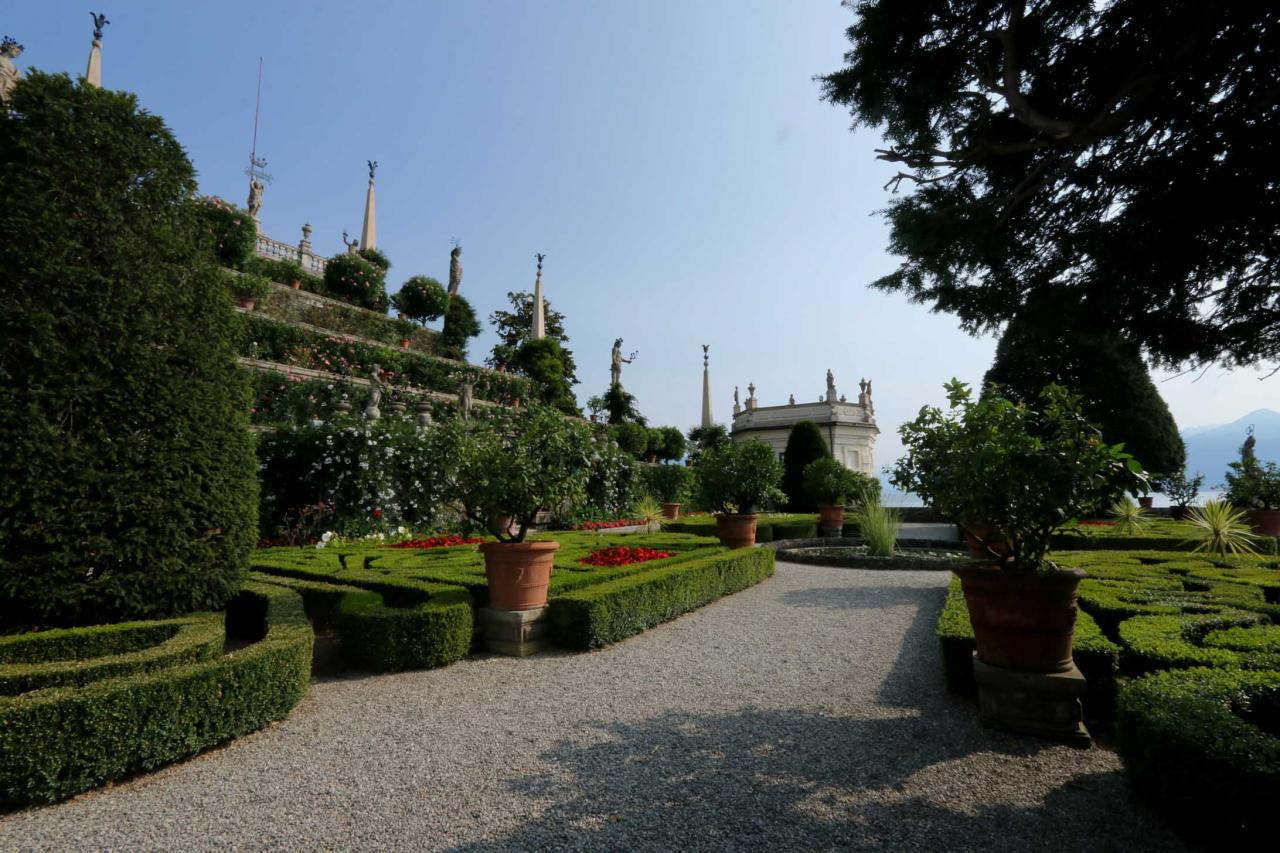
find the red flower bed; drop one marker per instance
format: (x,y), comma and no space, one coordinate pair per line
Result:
(605,525)
(437,542)
(621,555)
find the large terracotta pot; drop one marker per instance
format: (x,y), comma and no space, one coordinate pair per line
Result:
(671,511)
(736,531)
(246,302)
(1265,521)
(1146,502)
(831,520)
(1022,620)
(518,573)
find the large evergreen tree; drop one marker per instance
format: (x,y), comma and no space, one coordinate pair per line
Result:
(127,475)
(1122,155)
(514,327)
(804,444)
(1039,347)
(543,362)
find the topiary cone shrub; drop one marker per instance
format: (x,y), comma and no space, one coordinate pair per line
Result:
(127,476)
(804,445)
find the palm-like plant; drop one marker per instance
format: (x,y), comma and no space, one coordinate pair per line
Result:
(1130,518)
(650,512)
(1223,529)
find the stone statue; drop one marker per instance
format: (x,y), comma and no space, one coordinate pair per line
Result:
(455,268)
(376,387)
(9,73)
(464,397)
(864,392)
(353,246)
(831,386)
(1247,457)
(615,368)
(255,197)
(99,21)
(373,167)
(737,407)
(791,400)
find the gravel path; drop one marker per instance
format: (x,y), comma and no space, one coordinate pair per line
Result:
(805,713)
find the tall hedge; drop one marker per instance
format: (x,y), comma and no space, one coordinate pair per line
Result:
(460,326)
(127,474)
(1052,344)
(804,445)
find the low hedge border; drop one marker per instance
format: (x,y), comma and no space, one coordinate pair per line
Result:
(1193,747)
(191,639)
(1083,542)
(847,557)
(60,741)
(1154,643)
(79,643)
(607,612)
(1097,657)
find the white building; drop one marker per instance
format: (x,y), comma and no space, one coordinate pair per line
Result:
(849,429)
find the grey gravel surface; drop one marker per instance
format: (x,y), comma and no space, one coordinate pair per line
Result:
(805,713)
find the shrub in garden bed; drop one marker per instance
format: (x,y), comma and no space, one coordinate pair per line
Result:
(353,278)
(298,306)
(59,741)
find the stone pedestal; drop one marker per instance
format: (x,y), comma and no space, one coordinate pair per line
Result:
(1034,703)
(513,632)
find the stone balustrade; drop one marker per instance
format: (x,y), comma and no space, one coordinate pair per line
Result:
(278,250)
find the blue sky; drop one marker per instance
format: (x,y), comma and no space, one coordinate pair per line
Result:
(672,159)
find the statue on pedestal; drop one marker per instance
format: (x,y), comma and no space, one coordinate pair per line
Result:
(9,73)
(353,246)
(464,397)
(615,367)
(376,387)
(737,407)
(99,21)
(455,268)
(831,386)
(255,197)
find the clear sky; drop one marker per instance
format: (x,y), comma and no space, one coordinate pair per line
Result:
(671,158)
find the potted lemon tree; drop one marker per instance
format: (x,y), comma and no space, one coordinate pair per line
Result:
(1009,475)
(509,466)
(734,480)
(831,486)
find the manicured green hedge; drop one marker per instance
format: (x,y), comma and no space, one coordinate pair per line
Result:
(431,627)
(60,741)
(1074,541)
(1201,745)
(1228,639)
(1097,657)
(794,530)
(605,613)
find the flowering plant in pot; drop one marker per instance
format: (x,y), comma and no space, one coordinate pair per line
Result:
(509,466)
(733,480)
(670,485)
(832,485)
(1009,475)
(248,288)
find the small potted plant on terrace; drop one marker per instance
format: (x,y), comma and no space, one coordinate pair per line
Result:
(421,299)
(248,288)
(831,486)
(510,466)
(733,481)
(1182,491)
(669,484)
(1009,475)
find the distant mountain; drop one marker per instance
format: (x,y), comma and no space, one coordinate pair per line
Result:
(1211,448)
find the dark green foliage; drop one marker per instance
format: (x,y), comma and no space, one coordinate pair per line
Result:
(421,298)
(1046,345)
(285,272)
(514,327)
(1202,746)
(805,444)
(299,306)
(666,444)
(543,362)
(127,478)
(227,231)
(60,741)
(621,406)
(614,610)
(739,477)
(353,279)
(376,257)
(631,437)
(705,438)
(248,285)
(667,483)
(460,326)
(1090,177)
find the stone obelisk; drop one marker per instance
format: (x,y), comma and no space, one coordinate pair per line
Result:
(93,74)
(369,233)
(539,308)
(706,387)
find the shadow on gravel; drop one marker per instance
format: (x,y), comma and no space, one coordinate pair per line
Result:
(795,780)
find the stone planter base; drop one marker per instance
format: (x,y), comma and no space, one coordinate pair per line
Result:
(1045,704)
(518,633)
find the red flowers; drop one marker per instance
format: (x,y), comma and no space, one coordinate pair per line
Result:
(376,514)
(437,542)
(621,555)
(605,525)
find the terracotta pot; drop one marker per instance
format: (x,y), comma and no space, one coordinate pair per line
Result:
(404,343)
(671,511)
(652,458)
(1177,513)
(1147,502)
(246,302)
(518,573)
(831,520)
(1265,521)
(1022,620)
(295,284)
(736,531)
(975,541)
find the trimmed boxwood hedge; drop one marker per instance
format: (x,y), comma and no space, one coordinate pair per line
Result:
(1183,641)
(431,626)
(1202,746)
(60,741)
(607,612)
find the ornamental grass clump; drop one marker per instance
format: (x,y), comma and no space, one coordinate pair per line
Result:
(1223,529)
(1008,474)
(878,526)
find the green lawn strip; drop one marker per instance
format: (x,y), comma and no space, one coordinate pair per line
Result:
(60,741)
(193,638)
